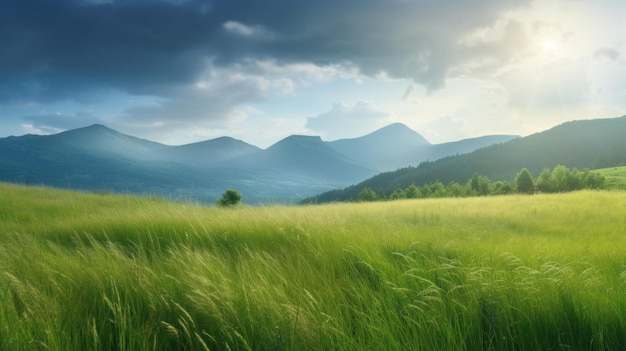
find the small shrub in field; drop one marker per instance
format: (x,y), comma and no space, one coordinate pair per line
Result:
(230,198)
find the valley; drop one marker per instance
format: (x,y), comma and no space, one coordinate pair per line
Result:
(97,158)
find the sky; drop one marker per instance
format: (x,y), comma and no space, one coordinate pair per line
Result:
(182,71)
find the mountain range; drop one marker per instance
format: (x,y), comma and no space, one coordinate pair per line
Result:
(592,144)
(98,158)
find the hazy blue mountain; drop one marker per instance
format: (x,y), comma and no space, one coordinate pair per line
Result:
(210,152)
(98,139)
(583,144)
(99,158)
(292,169)
(387,148)
(102,159)
(307,157)
(397,146)
(90,158)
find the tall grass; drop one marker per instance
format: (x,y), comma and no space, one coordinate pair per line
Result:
(103,272)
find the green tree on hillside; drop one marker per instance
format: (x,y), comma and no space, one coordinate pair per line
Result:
(435,189)
(560,179)
(478,185)
(413,192)
(574,180)
(524,182)
(544,181)
(455,189)
(397,194)
(367,194)
(591,180)
(502,188)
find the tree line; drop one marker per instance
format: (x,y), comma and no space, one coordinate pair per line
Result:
(556,180)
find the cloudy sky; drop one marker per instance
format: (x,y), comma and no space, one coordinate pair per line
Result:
(179,71)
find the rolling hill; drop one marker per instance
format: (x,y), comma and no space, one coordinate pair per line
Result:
(396,146)
(581,144)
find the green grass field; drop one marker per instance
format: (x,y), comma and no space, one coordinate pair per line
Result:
(615,177)
(104,272)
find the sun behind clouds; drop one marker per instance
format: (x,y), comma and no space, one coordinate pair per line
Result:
(548,45)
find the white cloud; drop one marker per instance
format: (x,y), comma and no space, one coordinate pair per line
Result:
(223,97)
(453,128)
(240,29)
(344,121)
(50,123)
(493,50)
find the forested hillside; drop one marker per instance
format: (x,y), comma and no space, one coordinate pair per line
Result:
(578,144)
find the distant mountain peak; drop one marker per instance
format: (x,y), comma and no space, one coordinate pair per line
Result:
(298,141)
(302,137)
(87,130)
(92,131)
(402,131)
(94,127)
(392,133)
(397,126)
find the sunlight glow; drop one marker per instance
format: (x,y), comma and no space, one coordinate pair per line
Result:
(548,45)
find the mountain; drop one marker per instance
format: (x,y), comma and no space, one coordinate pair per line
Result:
(387,148)
(293,167)
(99,139)
(102,159)
(581,144)
(98,158)
(210,152)
(397,146)
(309,156)
(91,158)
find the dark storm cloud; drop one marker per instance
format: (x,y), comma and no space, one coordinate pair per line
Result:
(417,39)
(59,49)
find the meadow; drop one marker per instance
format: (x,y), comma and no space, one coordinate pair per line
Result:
(615,177)
(109,272)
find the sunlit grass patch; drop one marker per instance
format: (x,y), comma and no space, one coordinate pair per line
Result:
(615,177)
